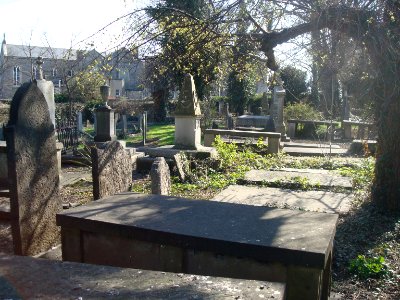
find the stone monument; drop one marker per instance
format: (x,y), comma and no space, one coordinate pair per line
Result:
(160,177)
(105,119)
(32,171)
(111,169)
(278,98)
(187,117)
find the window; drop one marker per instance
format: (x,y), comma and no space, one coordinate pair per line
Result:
(17,75)
(117,94)
(70,73)
(54,72)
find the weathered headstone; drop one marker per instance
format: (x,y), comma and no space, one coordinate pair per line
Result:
(79,123)
(111,169)
(221,105)
(277,109)
(160,177)
(229,119)
(187,117)
(32,172)
(182,165)
(346,106)
(265,103)
(124,124)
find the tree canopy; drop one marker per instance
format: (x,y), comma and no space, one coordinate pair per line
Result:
(373,25)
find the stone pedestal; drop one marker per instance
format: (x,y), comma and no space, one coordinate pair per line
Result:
(105,124)
(187,132)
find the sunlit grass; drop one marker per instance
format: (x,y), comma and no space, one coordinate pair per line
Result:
(158,134)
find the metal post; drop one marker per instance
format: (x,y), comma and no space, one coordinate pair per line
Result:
(144,127)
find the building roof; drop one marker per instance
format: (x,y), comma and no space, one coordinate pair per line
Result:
(45,52)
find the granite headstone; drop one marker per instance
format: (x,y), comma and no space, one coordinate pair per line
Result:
(160,177)
(111,169)
(33,172)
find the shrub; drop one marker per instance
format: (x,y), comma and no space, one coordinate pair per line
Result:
(301,111)
(368,267)
(90,106)
(362,175)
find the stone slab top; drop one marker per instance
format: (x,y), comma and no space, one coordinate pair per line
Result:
(246,133)
(261,233)
(33,278)
(316,151)
(321,178)
(316,122)
(307,145)
(318,201)
(169,151)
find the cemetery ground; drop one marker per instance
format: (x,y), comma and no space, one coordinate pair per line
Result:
(363,233)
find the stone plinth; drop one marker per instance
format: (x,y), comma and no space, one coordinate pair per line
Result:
(204,237)
(187,132)
(105,124)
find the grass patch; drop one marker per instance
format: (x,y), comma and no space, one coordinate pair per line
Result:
(157,134)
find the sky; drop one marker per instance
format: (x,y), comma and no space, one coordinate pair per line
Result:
(63,24)
(70,23)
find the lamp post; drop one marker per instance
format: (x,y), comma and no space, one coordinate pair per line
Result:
(105,124)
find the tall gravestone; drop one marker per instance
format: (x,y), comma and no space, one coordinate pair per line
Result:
(187,117)
(111,169)
(32,172)
(278,99)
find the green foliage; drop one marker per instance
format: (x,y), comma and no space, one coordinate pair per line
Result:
(362,175)
(301,111)
(61,98)
(187,44)
(368,267)
(85,85)
(219,98)
(295,84)
(241,88)
(88,110)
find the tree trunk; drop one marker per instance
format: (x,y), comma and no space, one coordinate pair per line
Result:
(386,188)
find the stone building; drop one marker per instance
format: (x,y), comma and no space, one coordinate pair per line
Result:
(127,75)
(17,65)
